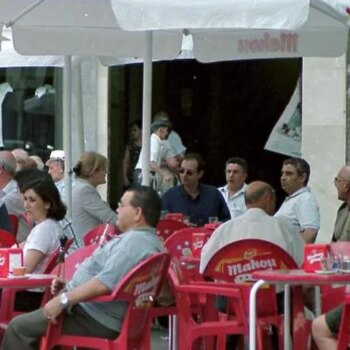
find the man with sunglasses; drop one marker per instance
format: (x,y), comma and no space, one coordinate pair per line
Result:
(193,199)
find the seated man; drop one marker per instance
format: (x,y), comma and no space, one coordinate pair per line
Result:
(258,223)
(193,199)
(138,214)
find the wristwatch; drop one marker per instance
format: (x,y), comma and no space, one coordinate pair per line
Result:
(64,301)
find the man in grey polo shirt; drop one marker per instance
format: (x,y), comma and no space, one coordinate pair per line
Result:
(138,214)
(301,206)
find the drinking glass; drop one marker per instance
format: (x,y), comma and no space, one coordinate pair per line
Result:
(213,219)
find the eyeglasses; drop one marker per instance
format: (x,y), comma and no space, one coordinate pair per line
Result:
(184,171)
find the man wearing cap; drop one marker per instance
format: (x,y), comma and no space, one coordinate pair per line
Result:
(55,166)
(158,152)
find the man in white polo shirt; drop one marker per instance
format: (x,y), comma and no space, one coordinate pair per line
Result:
(236,170)
(300,206)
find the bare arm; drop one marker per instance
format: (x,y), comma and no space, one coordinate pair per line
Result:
(309,235)
(172,163)
(88,290)
(154,166)
(32,259)
(126,162)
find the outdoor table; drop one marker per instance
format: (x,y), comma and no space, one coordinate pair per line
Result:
(288,278)
(23,282)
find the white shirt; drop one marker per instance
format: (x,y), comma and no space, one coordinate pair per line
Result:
(254,223)
(302,209)
(44,237)
(156,151)
(235,203)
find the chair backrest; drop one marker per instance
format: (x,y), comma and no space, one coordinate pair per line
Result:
(52,261)
(14,223)
(95,234)
(139,288)
(7,240)
(175,217)
(238,260)
(166,228)
(183,242)
(73,260)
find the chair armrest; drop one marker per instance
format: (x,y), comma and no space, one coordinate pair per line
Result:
(211,289)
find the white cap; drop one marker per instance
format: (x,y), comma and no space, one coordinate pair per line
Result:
(57,154)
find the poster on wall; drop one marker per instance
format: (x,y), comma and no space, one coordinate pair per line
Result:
(285,137)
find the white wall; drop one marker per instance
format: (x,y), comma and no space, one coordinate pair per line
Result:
(323,133)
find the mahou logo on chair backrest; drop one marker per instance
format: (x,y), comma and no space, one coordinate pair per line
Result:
(237,261)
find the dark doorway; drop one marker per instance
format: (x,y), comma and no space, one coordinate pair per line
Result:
(220,110)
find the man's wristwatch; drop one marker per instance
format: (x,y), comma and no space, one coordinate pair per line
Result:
(64,301)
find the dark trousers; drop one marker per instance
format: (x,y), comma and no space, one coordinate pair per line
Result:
(24,332)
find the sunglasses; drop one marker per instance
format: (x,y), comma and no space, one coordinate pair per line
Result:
(184,171)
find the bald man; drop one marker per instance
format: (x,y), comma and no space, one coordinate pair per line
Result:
(341,230)
(257,222)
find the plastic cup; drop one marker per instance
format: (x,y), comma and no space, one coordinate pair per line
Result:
(19,271)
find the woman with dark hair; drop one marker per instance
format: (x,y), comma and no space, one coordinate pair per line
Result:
(88,208)
(44,207)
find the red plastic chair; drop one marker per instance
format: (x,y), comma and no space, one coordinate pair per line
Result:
(7,239)
(235,263)
(94,235)
(166,228)
(14,224)
(175,216)
(197,315)
(138,288)
(180,245)
(182,242)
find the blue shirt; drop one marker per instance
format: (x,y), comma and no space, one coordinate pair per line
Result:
(209,202)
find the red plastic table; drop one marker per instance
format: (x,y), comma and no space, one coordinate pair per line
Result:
(288,278)
(31,281)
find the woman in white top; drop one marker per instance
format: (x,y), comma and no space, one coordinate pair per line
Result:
(44,207)
(88,208)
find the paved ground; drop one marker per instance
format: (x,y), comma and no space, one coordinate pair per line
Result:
(159,339)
